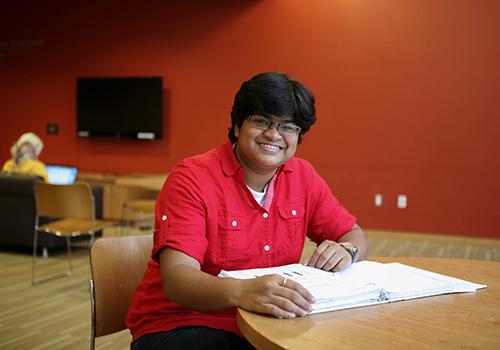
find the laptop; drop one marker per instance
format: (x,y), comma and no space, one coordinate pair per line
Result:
(61,174)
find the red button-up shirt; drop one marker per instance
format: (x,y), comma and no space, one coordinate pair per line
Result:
(206,211)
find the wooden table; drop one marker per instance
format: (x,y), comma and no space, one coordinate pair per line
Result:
(119,189)
(147,182)
(452,321)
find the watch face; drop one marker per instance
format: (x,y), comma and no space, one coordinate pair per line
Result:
(351,248)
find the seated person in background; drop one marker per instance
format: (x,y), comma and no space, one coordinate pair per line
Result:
(25,153)
(246,204)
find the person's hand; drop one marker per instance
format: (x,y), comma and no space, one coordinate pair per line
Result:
(329,256)
(275,295)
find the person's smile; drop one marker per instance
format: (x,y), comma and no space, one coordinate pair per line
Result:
(270,147)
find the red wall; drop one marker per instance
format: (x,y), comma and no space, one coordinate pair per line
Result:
(407,91)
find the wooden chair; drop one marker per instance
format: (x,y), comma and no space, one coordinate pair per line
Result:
(139,208)
(74,207)
(117,265)
(139,212)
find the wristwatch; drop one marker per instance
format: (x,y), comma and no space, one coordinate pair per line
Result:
(351,249)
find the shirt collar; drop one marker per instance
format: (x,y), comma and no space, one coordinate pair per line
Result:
(230,164)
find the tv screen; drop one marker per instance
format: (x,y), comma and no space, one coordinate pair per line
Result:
(129,107)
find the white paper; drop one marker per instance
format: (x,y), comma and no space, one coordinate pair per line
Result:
(363,283)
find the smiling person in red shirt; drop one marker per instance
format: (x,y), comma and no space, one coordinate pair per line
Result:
(246,204)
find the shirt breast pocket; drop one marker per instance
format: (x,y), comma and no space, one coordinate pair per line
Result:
(233,240)
(292,220)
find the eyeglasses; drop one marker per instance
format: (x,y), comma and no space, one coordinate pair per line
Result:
(262,123)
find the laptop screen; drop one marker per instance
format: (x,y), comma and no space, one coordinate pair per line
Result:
(61,174)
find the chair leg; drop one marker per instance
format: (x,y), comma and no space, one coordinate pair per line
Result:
(33,262)
(92,312)
(68,245)
(34,280)
(125,230)
(132,215)
(92,238)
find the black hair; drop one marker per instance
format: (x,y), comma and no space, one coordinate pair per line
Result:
(273,94)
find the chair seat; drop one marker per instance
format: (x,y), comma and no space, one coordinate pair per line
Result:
(75,227)
(74,205)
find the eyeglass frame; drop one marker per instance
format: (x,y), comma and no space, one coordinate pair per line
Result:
(277,126)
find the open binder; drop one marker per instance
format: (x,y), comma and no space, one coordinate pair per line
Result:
(363,283)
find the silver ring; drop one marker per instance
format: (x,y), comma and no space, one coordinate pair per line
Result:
(284,282)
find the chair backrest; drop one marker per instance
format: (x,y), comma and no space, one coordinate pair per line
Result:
(117,265)
(64,201)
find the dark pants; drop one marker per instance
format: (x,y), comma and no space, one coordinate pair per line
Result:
(192,338)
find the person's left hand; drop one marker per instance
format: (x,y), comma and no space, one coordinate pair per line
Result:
(329,256)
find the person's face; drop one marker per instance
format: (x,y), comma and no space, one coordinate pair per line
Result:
(264,151)
(27,151)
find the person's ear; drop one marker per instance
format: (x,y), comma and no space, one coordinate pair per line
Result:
(236,131)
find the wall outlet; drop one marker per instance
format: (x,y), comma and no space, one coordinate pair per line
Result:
(402,201)
(378,200)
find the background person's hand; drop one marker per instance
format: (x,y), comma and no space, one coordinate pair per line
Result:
(329,256)
(268,295)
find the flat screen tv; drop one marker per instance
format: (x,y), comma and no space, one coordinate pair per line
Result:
(125,107)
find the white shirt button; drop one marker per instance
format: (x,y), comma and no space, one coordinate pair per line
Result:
(164,218)
(234,223)
(294,212)
(265,215)
(267,248)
